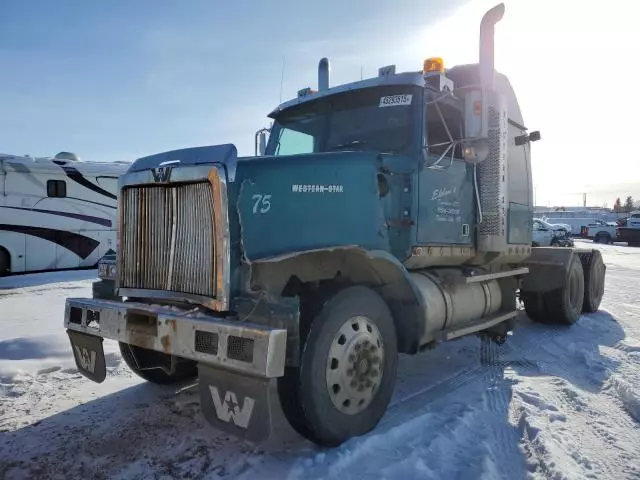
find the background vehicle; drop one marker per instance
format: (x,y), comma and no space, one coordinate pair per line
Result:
(545,234)
(556,226)
(387,215)
(600,231)
(56,213)
(631,232)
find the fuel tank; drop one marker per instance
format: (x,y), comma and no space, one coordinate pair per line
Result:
(449,301)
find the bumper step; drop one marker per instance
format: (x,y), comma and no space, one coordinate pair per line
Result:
(221,342)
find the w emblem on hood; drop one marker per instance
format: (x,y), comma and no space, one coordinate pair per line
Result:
(161,174)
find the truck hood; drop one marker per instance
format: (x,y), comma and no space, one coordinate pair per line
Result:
(225,154)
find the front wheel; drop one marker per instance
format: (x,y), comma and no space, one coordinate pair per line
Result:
(347,369)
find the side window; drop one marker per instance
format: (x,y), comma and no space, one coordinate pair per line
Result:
(56,188)
(292,142)
(444,125)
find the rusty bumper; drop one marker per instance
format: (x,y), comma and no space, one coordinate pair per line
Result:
(219,342)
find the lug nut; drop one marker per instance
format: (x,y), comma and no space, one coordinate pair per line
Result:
(374,373)
(352,358)
(353,384)
(360,388)
(357,347)
(369,383)
(350,372)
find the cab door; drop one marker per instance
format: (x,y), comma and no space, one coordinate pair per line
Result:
(445,205)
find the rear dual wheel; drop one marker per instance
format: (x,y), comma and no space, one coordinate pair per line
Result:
(347,369)
(582,292)
(561,306)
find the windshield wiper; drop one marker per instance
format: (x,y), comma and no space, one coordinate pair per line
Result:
(354,143)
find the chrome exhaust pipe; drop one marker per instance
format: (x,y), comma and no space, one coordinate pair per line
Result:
(486,59)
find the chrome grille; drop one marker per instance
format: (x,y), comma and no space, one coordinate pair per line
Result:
(489,173)
(168,238)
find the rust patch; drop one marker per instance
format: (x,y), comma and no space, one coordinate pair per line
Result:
(172,323)
(141,340)
(165,340)
(220,235)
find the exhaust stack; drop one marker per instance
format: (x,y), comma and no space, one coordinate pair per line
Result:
(487,25)
(323,74)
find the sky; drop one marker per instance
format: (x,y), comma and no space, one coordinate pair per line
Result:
(119,80)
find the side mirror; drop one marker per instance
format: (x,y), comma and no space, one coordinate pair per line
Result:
(261,141)
(532,137)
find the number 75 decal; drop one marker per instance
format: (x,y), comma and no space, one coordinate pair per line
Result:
(261,203)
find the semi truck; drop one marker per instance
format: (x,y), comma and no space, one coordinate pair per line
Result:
(376,218)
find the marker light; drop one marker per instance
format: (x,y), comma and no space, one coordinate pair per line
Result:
(306,91)
(433,64)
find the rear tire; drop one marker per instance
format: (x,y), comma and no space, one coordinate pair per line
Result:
(139,359)
(534,306)
(347,369)
(5,262)
(594,273)
(564,305)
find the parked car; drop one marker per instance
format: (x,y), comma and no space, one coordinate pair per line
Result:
(546,234)
(555,225)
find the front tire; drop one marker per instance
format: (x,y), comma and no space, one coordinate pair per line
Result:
(347,369)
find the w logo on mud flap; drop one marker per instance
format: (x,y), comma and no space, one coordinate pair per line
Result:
(229,408)
(86,359)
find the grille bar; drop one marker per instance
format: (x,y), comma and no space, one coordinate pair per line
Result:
(168,238)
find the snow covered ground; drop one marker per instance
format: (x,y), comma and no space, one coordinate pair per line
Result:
(552,402)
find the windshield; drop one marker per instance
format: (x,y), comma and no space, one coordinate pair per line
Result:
(378,118)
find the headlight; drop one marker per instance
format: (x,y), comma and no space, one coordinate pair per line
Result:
(107,270)
(102,270)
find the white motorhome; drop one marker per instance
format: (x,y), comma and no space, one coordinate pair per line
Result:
(56,213)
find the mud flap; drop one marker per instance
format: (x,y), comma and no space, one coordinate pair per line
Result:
(237,404)
(89,355)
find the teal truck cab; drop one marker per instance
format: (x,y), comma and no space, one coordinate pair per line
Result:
(377,217)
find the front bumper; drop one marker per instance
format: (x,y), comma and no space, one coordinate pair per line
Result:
(220,342)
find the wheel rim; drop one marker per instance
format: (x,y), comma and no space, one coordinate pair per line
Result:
(354,365)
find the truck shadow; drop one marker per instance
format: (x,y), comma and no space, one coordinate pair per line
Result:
(450,414)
